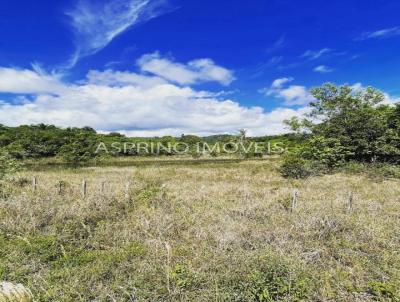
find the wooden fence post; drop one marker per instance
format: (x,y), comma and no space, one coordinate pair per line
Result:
(103,186)
(60,184)
(294,199)
(350,202)
(84,189)
(34,183)
(127,190)
(168,264)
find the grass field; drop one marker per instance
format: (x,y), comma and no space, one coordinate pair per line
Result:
(205,232)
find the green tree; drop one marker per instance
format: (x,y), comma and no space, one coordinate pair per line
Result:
(80,147)
(327,151)
(191,140)
(347,123)
(357,120)
(294,124)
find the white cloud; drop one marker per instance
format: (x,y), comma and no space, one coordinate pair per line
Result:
(28,81)
(323,69)
(296,95)
(195,71)
(96,24)
(122,78)
(278,83)
(379,34)
(388,99)
(315,54)
(357,87)
(136,104)
(293,95)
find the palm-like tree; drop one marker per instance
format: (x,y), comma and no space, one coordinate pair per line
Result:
(242,134)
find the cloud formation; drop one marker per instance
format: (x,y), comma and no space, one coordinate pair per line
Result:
(315,54)
(26,81)
(379,34)
(323,69)
(201,70)
(292,95)
(96,24)
(151,102)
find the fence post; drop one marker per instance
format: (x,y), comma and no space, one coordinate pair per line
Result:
(351,199)
(60,184)
(84,189)
(34,183)
(103,185)
(168,264)
(127,190)
(294,199)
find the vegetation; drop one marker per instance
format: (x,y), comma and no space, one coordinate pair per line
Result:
(44,141)
(348,124)
(14,293)
(81,145)
(238,230)
(8,165)
(206,232)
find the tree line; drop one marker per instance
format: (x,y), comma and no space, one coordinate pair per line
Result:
(345,124)
(79,145)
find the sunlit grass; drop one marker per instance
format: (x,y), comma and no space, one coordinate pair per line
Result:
(204,232)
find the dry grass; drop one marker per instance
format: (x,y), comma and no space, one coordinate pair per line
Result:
(201,233)
(14,293)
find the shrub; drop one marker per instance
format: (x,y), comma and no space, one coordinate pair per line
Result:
(195,154)
(20,182)
(353,167)
(383,291)
(327,151)
(376,171)
(295,167)
(182,277)
(8,165)
(276,281)
(386,170)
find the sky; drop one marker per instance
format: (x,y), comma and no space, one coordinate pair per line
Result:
(172,67)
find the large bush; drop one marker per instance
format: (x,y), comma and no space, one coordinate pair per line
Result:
(327,151)
(294,166)
(8,165)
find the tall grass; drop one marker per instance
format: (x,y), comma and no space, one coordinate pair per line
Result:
(14,293)
(201,233)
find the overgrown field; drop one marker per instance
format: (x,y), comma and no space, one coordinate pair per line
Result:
(207,232)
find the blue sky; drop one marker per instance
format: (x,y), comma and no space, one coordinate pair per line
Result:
(157,67)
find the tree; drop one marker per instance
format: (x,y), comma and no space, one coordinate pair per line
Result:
(349,123)
(389,146)
(357,119)
(81,146)
(191,140)
(242,134)
(327,151)
(294,124)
